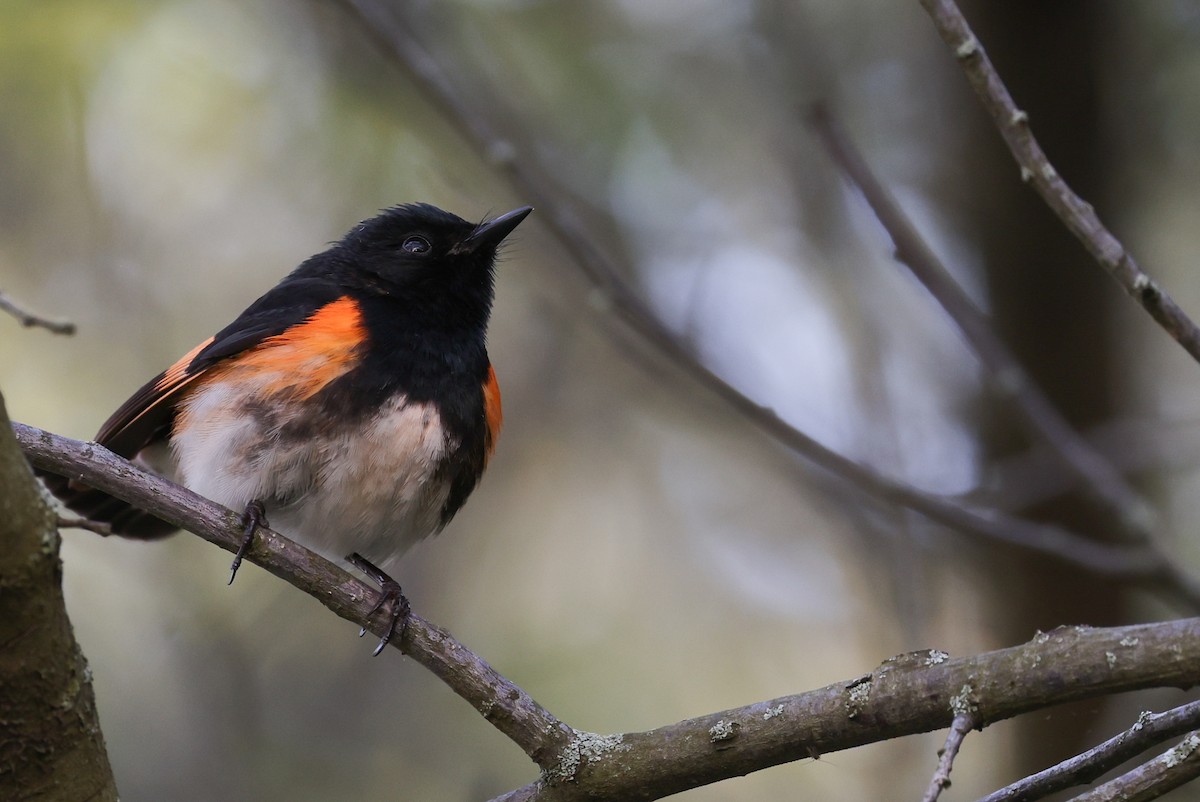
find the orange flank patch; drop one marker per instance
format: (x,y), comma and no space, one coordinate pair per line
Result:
(303,359)
(492,411)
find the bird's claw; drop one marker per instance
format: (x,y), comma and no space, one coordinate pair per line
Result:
(390,598)
(254,518)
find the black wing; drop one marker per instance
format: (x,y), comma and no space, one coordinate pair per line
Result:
(145,419)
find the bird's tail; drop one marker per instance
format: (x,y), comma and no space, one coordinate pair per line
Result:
(97,506)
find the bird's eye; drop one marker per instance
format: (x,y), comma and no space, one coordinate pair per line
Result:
(415,245)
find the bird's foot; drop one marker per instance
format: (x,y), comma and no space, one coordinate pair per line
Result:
(254,518)
(390,598)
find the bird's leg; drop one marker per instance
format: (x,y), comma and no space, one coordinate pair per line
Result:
(390,597)
(253,518)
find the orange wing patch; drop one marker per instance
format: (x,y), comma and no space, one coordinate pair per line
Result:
(300,361)
(176,375)
(492,411)
(150,398)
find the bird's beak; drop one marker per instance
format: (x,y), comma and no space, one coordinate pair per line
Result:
(493,232)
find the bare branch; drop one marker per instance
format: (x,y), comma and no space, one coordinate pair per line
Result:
(1133,446)
(99,527)
(1168,771)
(1128,563)
(1148,730)
(28,319)
(1106,484)
(962,724)
(1074,212)
(908,694)
(507,707)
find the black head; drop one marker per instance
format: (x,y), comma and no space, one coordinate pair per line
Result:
(426,258)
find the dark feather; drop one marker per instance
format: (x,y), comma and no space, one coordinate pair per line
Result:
(145,419)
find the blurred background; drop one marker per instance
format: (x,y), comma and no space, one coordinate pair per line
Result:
(639,553)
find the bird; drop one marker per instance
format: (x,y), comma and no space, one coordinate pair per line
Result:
(353,407)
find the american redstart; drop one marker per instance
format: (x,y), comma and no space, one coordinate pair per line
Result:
(353,405)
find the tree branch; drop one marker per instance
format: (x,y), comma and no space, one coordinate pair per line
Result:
(1075,213)
(1168,771)
(963,723)
(70,522)
(507,707)
(909,694)
(1148,730)
(28,319)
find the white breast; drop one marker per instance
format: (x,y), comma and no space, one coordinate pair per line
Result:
(373,487)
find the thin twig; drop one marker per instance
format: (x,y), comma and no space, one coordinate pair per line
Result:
(510,709)
(1133,446)
(28,319)
(962,724)
(1178,765)
(1074,212)
(99,527)
(1148,730)
(1105,483)
(1131,563)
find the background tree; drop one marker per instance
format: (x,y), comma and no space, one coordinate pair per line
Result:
(1048,301)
